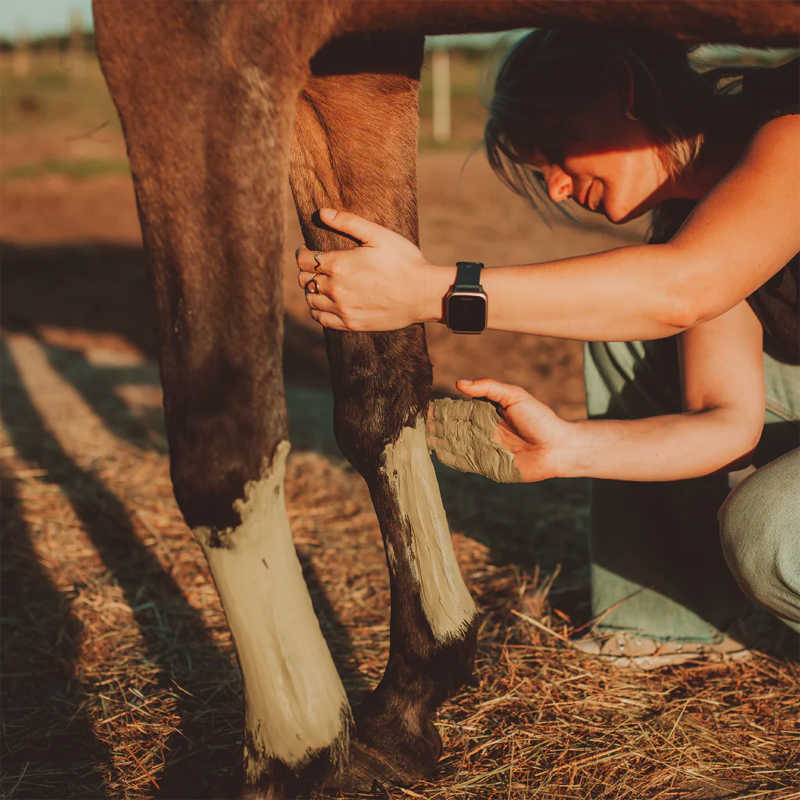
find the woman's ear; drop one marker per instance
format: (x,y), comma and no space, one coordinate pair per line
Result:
(620,78)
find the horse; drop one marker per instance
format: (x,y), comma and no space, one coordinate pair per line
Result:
(220,102)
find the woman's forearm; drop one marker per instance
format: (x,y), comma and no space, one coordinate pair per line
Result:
(635,292)
(666,448)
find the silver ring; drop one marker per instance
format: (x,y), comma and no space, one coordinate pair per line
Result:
(316,259)
(312,283)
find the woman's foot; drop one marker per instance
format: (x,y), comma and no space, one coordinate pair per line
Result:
(633,651)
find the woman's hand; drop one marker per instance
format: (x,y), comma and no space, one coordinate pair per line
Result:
(379,286)
(532,432)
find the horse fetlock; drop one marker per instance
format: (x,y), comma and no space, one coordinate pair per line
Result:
(451,664)
(423,676)
(258,776)
(396,738)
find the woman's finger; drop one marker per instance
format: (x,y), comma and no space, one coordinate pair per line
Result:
(320,303)
(304,258)
(314,282)
(504,394)
(434,442)
(303,278)
(456,461)
(322,262)
(328,320)
(359,228)
(314,260)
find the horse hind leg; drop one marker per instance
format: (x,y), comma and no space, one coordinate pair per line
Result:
(205,184)
(355,148)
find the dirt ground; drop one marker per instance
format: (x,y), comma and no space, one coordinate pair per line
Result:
(118,677)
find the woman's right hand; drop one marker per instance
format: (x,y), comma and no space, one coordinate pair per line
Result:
(384,284)
(536,436)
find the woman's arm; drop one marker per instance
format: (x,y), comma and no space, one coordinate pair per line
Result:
(723,388)
(740,235)
(742,232)
(723,391)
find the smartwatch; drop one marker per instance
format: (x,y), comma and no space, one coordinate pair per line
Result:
(466,303)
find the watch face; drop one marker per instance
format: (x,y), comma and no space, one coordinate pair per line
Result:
(466,313)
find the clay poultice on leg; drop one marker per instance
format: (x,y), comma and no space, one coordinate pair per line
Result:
(446,600)
(464,429)
(295,704)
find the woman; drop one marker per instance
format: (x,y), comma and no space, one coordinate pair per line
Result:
(689,338)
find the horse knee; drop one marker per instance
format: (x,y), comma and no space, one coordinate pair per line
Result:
(759,535)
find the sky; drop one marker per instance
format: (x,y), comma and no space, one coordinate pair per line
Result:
(38,17)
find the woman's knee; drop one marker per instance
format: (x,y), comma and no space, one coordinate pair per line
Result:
(760,534)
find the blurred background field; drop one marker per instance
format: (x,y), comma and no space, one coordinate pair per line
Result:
(117,673)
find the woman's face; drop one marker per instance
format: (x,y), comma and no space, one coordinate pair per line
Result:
(610,168)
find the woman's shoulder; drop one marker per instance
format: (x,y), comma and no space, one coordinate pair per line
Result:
(774,149)
(775,145)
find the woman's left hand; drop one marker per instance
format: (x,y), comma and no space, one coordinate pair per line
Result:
(379,286)
(531,431)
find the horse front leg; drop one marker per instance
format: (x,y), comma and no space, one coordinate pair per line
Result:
(355,148)
(208,129)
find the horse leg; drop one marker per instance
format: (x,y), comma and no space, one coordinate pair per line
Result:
(208,128)
(355,148)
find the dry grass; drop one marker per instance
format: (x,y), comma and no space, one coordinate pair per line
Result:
(118,676)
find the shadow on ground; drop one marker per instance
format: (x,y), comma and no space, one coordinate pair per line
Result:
(101,292)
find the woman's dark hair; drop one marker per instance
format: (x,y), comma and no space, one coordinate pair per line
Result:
(544,80)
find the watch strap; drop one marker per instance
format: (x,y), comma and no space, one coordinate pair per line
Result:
(468,276)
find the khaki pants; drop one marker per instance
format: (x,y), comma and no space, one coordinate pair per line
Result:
(657,565)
